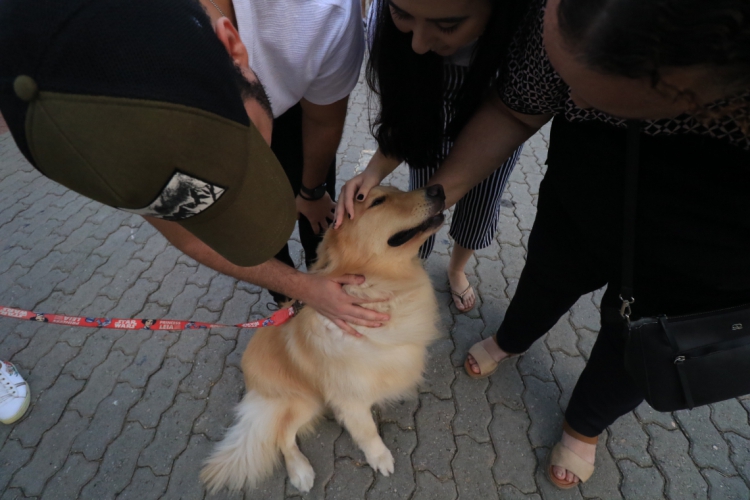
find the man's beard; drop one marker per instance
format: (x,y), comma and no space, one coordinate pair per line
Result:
(253,90)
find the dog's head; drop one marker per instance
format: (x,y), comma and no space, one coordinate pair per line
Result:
(389,225)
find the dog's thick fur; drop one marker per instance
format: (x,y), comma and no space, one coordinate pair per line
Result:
(294,371)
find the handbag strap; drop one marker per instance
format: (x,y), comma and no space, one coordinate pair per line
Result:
(631,197)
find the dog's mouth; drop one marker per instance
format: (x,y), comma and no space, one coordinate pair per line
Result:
(406,235)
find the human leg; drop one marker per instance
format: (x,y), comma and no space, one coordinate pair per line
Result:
(474,226)
(557,272)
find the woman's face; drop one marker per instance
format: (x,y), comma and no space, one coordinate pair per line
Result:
(679,91)
(440,26)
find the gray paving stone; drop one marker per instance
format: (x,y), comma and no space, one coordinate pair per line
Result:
(493,283)
(344,447)
(107,422)
(547,490)
(566,370)
(627,439)
(12,457)
(163,263)
(46,411)
(100,384)
(207,366)
(730,416)
(508,492)
(172,285)
(401,412)
(725,488)
(81,274)
(436,443)
(670,449)
(648,415)
(219,412)
(439,374)
(50,455)
(48,369)
(605,483)
(562,337)
(220,290)
(707,447)
(640,483)
(740,454)
(516,462)
(119,462)
(584,314)
(473,413)
(123,279)
(93,352)
(537,361)
(235,311)
(514,260)
(202,276)
(144,486)
(466,333)
(400,484)
(431,488)
(152,248)
(149,359)
(71,477)
(349,481)
(546,418)
(160,393)
(172,434)
(11,344)
(472,469)
(188,344)
(506,385)
(184,482)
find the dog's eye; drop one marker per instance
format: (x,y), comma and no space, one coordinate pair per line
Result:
(377,202)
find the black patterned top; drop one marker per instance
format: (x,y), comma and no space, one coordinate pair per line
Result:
(533,87)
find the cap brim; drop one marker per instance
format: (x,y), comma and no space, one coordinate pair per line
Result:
(127,152)
(236,231)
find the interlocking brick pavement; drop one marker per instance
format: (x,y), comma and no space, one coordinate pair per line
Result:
(132,415)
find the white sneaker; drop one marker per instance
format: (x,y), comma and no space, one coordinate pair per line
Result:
(14,393)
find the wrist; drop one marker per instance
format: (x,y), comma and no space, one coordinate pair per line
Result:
(312,194)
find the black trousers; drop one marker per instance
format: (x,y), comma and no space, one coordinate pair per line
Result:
(692,239)
(286,143)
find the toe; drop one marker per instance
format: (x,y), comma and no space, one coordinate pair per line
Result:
(473,364)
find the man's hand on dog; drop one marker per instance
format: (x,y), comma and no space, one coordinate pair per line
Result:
(327,296)
(319,212)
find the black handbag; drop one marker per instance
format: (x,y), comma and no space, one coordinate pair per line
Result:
(680,361)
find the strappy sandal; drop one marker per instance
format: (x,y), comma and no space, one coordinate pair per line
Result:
(487,365)
(461,298)
(562,456)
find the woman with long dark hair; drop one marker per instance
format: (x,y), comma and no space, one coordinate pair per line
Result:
(431,64)
(681,70)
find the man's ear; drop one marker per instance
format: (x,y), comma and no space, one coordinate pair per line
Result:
(230,38)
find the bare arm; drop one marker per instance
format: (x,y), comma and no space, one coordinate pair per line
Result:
(490,137)
(323,294)
(322,127)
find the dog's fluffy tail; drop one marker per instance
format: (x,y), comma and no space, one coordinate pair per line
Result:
(249,451)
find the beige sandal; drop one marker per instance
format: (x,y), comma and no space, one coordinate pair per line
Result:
(487,365)
(562,456)
(461,298)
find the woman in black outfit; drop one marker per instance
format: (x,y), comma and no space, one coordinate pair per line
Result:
(683,69)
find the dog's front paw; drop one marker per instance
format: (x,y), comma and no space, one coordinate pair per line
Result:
(301,475)
(382,462)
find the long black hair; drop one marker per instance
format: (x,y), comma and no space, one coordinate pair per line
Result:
(410,123)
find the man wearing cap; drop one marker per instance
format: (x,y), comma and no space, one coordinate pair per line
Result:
(136,104)
(308,54)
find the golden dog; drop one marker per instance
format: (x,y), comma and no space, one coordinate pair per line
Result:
(294,371)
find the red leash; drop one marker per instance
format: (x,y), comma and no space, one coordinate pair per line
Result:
(279,317)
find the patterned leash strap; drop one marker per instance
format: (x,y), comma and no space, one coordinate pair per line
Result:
(279,317)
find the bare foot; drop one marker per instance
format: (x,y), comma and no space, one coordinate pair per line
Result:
(584,450)
(460,285)
(493,350)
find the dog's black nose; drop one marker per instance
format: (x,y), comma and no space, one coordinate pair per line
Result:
(436,191)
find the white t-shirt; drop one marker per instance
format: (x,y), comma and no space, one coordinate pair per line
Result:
(303,48)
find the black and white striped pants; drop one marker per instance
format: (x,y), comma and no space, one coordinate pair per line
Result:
(476,214)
